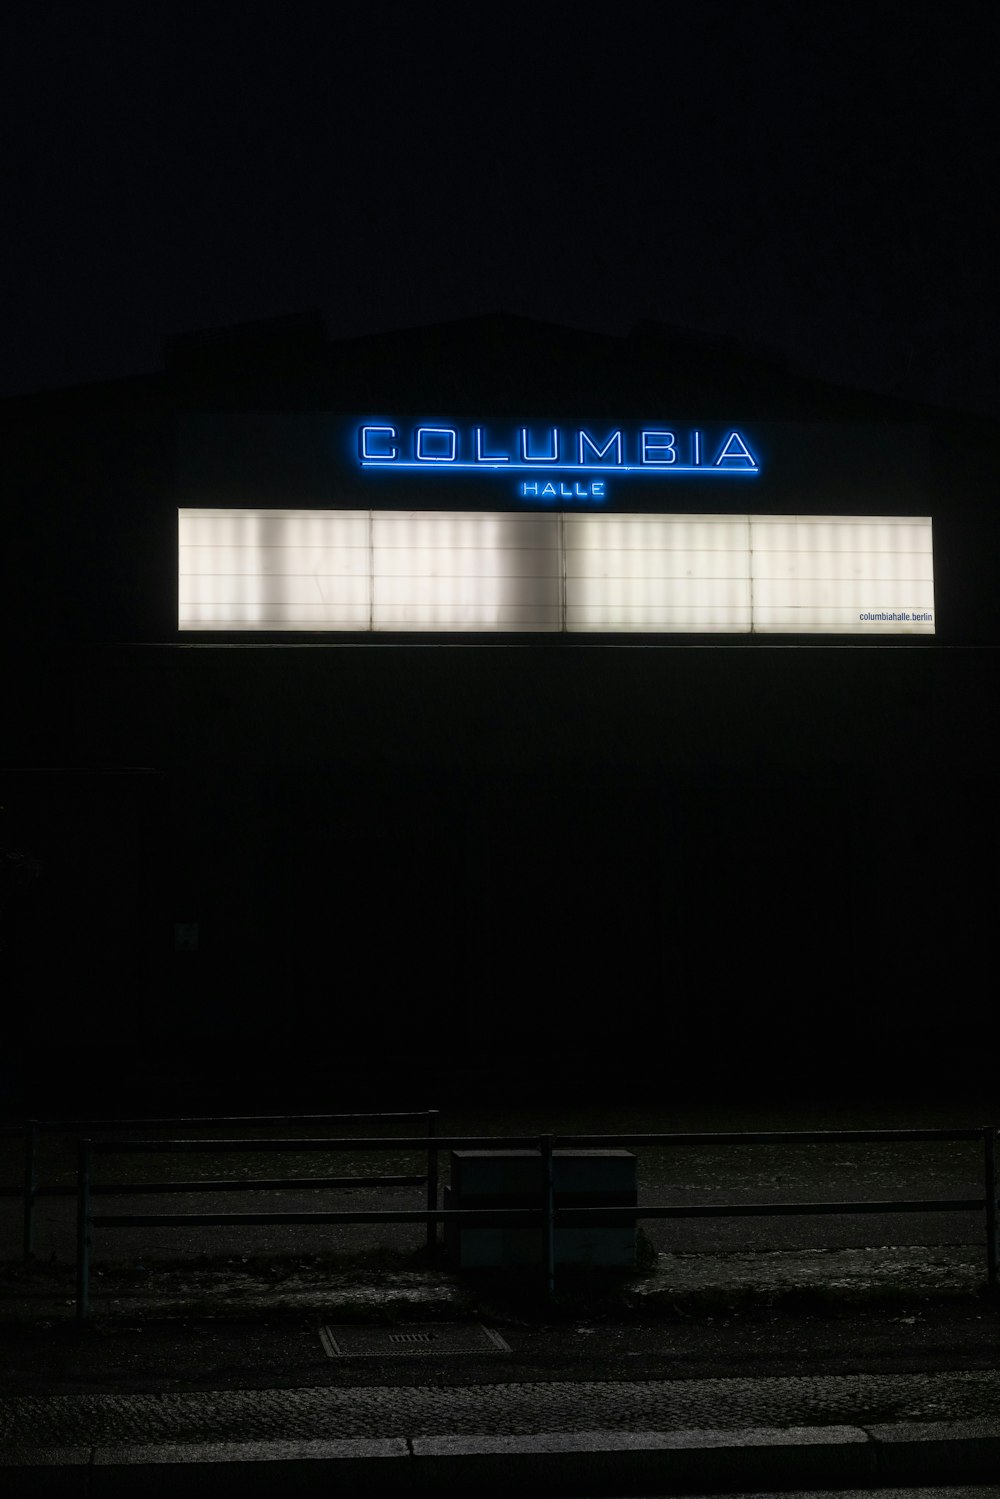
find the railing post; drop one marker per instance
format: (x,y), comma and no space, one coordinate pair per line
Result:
(992,1240)
(30,1188)
(432,1180)
(548,1217)
(83,1231)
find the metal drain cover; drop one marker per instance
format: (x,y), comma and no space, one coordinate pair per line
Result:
(435,1338)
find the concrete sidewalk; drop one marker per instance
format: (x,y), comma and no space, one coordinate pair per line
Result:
(594,1461)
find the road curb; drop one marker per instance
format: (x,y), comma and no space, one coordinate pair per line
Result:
(592,1463)
(613,1462)
(922,1453)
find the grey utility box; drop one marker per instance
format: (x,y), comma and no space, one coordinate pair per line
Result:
(512,1179)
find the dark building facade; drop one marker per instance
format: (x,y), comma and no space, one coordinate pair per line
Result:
(322,853)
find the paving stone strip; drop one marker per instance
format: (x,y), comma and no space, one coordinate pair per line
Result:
(656,1405)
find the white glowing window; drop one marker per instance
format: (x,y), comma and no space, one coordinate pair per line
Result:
(441,571)
(842,575)
(657,573)
(437,570)
(274,570)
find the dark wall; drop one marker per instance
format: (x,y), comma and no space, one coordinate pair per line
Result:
(729,865)
(716,867)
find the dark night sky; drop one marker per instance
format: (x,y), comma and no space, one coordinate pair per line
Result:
(816,176)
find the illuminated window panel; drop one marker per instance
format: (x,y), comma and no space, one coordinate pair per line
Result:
(274,570)
(657,573)
(842,575)
(488,572)
(646,533)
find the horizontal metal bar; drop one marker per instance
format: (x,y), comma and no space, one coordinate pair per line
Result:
(774,1137)
(774,1209)
(280,1184)
(275,1184)
(378,1142)
(207,1121)
(681,1210)
(512,1217)
(564,1142)
(567,1141)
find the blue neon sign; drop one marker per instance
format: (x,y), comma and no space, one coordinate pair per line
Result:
(556,451)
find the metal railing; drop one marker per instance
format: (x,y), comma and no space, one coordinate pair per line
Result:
(31,1129)
(546,1215)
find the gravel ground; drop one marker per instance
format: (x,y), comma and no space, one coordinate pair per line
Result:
(672,1176)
